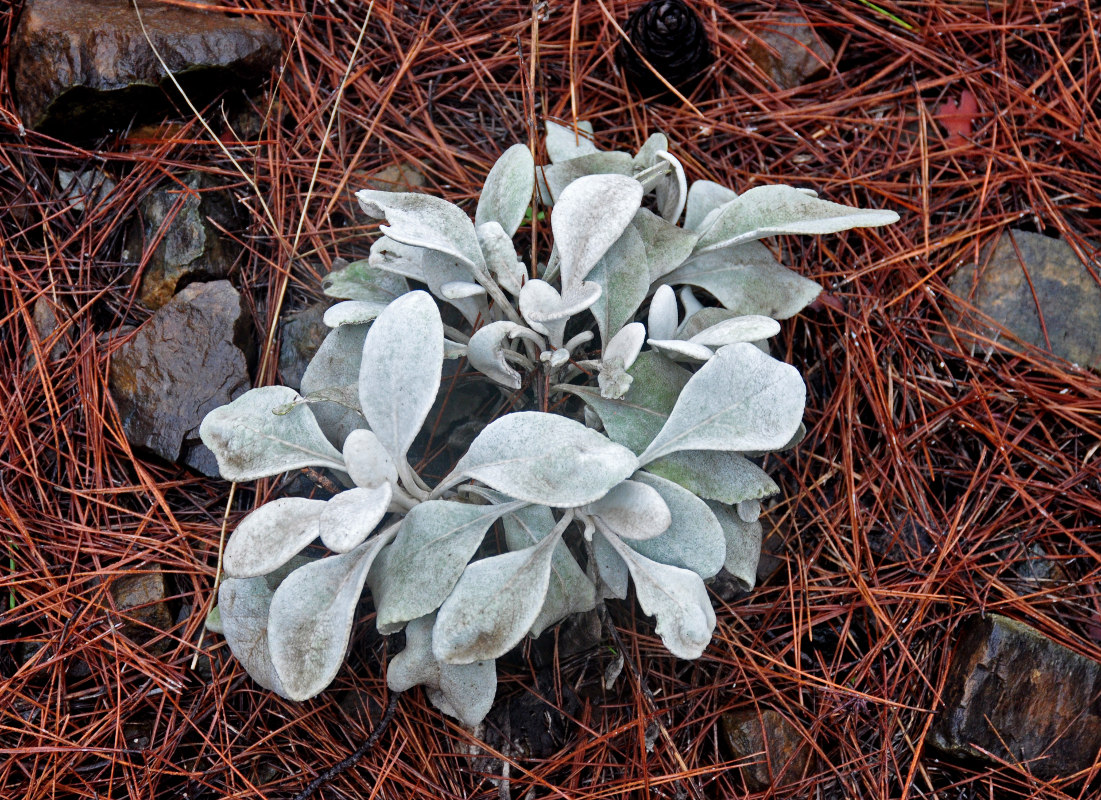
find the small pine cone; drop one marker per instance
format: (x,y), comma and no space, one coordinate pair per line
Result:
(671,36)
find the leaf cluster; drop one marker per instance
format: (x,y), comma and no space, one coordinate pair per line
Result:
(658,487)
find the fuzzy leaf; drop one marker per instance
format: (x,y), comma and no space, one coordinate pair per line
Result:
(610,567)
(661,322)
(440,269)
(672,192)
(243,607)
(486,353)
(667,245)
(367,461)
(647,155)
(352,516)
(681,351)
(506,195)
(361,281)
(421,220)
(353,312)
(739,400)
(701,321)
(676,597)
(400,373)
(251,441)
(747,280)
(715,475)
(564,143)
(694,539)
(626,345)
(464,692)
(400,259)
(635,419)
(494,604)
(546,459)
(333,373)
(624,280)
(569,590)
(743,545)
(591,213)
(311,618)
(774,210)
(554,178)
(501,258)
(632,510)
(271,535)
(750,328)
(703,198)
(436,540)
(547,311)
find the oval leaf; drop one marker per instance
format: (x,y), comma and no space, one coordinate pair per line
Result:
(773,210)
(400,372)
(570,591)
(739,400)
(501,259)
(486,353)
(681,351)
(244,605)
(611,568)
(436,540)
(743,545)
(352,312)
(661,323)
(251,440)
(420,220)
(506,195)
(546,459)
(368,462)
(271,535)
(676,597)
(494,604)
(626,345)
(362,281)
(739,329)
(715,475)
(333,374)
(311,618)
(399,259)
(747,280)
(703,198)
(624,280)
(632,510)
(564,142)
(694,539)
(588,217)
(352,516)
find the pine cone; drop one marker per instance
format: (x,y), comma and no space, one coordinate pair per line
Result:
(671,36)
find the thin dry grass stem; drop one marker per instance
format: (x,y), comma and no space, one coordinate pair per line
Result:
(933,483)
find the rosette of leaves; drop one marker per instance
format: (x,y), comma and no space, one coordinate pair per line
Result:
(671,37)
(642,473)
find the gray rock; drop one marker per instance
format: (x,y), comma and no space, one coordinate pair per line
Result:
(141,601)
(789,51)
(1047,282)
(1015,694)
(777,752)
(83,67)
(301,334)
(46,324)
(89,187)
(178,226)
(189,358)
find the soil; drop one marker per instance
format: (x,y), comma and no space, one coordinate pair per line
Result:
(932,475)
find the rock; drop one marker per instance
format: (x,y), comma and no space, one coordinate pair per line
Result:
(178,225)
(1040,568)
(46,323)
(777,751)
(789,51)
(300,334)
(88,187)
(1046,281)
(83,67)
(772,548)
(187,359)
(140,600)
(1015,694)
(400,177)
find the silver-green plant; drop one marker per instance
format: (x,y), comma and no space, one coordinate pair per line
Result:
(657,486)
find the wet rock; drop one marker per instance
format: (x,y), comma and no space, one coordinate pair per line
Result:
(1041,569)
(83,67)
(789,51)
(1019,696)
(186,360)
(774,751)
(397,178)
(1047,282)
(141,603)
(176,233)
(300,334)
